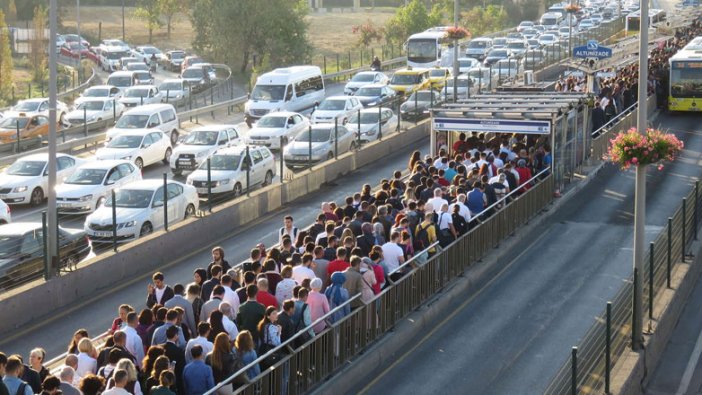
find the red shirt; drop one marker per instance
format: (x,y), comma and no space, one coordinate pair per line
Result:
(337,265)
(266,299)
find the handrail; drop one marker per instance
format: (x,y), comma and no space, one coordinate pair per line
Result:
(54,364)
(411,260)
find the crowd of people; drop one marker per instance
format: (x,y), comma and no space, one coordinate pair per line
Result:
(188,338)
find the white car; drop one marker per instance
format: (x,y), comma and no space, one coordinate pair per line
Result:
(465,64)
(144,77)
(336,107)
(94,110)
(137,66)
(5,213)
(369,123)
(88,187)
(320,143)
(200,143)
(364,78)
(525,25)
(27,180)
(39,106)
(142,146)
(547,39)
(144,52)
(271,127)
(505,68)
(174,90)
(140,210)
(115,43)
(228,170)
(140,95)
(99,92)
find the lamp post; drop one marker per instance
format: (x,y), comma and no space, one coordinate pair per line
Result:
(80,42)
(455,53)
(123,39)
(640,192)
(52,215)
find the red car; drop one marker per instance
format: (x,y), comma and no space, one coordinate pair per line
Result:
(72,49)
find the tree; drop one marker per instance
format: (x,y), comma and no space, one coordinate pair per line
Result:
(367,33)
(485,20)
(169,9)
(5,60)
(39,44)
(410,19)
(150,12)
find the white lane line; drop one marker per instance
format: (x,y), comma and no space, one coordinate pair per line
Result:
(691,364)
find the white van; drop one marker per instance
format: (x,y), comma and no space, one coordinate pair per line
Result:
(551,20)
(149,116)
(294,89)
(122,80)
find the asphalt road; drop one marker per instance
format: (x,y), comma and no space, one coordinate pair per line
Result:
(513,334)
(96,315)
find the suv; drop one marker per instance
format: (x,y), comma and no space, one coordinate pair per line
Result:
(149,116)
(173,60)
(200,143)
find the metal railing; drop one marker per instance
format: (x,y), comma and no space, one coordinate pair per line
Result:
(301,369)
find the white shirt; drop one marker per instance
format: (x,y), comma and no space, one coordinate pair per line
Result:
(86,364)
(444,220)
(498,162)
(300,273)
(134,344)
(116,391)
(230,327)
(462,210)
(159,294)
(285,231)
(230,297)
(440,165)
(436,203)
(206,345)
(391,255)
(496,179)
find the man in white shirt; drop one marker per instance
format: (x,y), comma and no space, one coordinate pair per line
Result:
(437,200)
(120,378)
(462,208)
(303,271)
(393,256)
(227,322)
(134,344)
(288,229)
(230,296)
(203,331)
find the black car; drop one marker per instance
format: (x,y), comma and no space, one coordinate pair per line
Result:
(375,94)
(22,251)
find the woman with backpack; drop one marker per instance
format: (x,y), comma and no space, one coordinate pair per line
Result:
(224,361)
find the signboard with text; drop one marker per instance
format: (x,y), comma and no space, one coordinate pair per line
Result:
(592,50)
(492,125)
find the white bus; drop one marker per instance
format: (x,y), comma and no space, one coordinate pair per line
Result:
(431,48)
(633,20)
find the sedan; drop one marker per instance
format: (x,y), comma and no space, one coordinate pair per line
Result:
(496,54)
(137,66)
(145,52)
(174,59)
(140,95)
(94,110)
(200,143)
(463,84)
(439,75)
(144,77)
(228,168)
(499,42)
(547,39)
(419,103)
(141,146)
(318,144)
(371,121)
(271,127)
(28,127)
(88,187)
(364,78)
(22,250)
(336,107)
(99,92)
(376,94)
(38,106)
(505,69)
(174,90)
(140,209)
(530,33)
(518,47)
(465,64)
(524,25)
(586,24)
(27,180)
(533,59)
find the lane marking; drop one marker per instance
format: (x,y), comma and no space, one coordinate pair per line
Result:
(690,368)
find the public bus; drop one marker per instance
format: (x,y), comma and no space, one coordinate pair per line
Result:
(633,20)
(686,78)
(431,48)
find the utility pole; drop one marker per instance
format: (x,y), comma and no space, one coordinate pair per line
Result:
(123,39)
(80,41)
(52,215)
(455,54)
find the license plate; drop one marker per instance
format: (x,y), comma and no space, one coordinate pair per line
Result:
(103,234)
(259,142)
(63,205)
(184,162)
(202,191)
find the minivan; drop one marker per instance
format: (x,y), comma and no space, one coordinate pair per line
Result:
(122,80)
(148,116)
(295,88)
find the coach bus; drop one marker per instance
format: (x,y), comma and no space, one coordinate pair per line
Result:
(633,20)
(686,78)
(431,48)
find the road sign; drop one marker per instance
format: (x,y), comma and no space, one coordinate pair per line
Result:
(492,125)
(592,50)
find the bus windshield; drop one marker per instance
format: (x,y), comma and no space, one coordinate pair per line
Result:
(686,79)
(422,50)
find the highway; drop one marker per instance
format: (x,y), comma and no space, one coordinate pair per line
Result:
(511,335)
(96,315)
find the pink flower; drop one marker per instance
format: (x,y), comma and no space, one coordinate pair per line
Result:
(634,160)
(660,167)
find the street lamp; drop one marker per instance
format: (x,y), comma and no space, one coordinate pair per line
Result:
(455,54)
(52,215)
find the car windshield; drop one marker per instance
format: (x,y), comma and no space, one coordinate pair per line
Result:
(268,92)
(177,55)
(223,162)
(404,79)
(11,123)
(318,135)
(137,92)
(130,121)
(194,73)
(363,77)
(533,42)
(130,198)
(10,246)
(202,137)
(547,37)
(500,41)
(143,75)
(96,92)
(478,44)
(27,168)
(121,82)
(332,105)
(150,50)
(369,92)
(516,45)
(366,118)
(437,73)
(465,64)
(423,96)
(115,55)
(171,86)
(91,106)
(137,66)
(271,122)
(87,177)
(526,23)
(498,53)
(27,106)
(125,141)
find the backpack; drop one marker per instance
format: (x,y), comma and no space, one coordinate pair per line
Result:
(421,239)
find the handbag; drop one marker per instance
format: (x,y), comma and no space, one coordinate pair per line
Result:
(266,347)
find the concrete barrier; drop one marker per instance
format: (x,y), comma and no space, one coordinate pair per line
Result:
(40,298)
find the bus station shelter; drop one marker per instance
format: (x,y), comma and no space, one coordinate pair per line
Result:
(561,120)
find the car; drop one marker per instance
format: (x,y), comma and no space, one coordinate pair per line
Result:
(533,43)
(586,24)
(141,146)
(272,126)
(200,143)
(145,52)
(137,66)
(174,90)
(122,80)
(75,50)
(22,250)
(318,144)
(27,180)
(364,78)
(335,107)
(517,47)
(463,83)
(140,210)
(533,59)
(480,77)
(495,55)
(565,32)
(94,110)
(190,60)
(376,94)
(126,61)
(500,42)
(99,92)
(28,127)
(88,187)
(38,106)
(370,125)
(116,43)
(523,25)
(465,64)
(144,77)
(478,47)
(505,69)
(530,33)
(547,39)
(405,81)
(110,58)
(174,59)
(418,104)
(228,168)
(199,76)
(514,36)
(555,51)
(74,38)
(596,19)
(5,213)
(540,28)
(161,117)
(140,95)
(59,42)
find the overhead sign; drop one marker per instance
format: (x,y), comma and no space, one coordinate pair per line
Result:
(592,50)
(492,125)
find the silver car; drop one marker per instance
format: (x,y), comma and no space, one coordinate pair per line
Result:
(317,144)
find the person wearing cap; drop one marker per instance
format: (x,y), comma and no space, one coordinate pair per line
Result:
(318,305)
(337,295)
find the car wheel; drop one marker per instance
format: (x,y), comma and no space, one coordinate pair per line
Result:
(146,228)
(269,178)
(139,163)
(330,156)
(174,137)
(167,157)
(99,203)
(37,197)
(189,211)
(237,189)
(353,146)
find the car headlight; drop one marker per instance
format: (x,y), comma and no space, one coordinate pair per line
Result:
(223,182)
(20,189)
(189,181)
(129,224)
(372,103)
(128,157)
(86,198)
(201,154)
